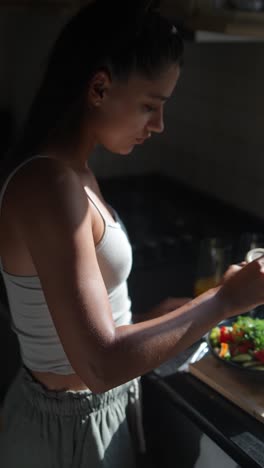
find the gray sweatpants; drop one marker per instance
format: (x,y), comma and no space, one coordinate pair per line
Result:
(57,429)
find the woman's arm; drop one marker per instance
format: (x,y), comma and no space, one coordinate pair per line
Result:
(54,218)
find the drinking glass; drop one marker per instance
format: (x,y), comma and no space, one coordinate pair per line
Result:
(214,258)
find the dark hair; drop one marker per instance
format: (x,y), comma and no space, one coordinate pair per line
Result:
(118,36)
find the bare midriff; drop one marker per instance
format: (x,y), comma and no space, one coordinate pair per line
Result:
(59,382)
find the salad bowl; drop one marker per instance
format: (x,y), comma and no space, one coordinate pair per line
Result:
(239,343)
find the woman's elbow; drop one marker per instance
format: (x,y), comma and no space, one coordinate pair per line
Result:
(96,376)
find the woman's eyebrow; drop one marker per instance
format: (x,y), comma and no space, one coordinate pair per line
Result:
(158,96)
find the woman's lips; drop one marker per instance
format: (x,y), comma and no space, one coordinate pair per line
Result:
(141,140)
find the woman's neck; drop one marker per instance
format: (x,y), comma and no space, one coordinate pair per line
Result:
(76,153)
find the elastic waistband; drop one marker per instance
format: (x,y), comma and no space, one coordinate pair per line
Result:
(69,402)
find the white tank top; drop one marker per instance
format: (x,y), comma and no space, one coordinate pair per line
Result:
(40,346)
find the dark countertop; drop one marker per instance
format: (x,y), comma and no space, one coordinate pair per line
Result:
(235,431)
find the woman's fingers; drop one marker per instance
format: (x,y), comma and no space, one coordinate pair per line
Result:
(231,271)
(243,287)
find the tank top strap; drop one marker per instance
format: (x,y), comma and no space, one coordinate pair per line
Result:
(97,208)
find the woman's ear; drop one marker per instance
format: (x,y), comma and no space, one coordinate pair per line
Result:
(98,88)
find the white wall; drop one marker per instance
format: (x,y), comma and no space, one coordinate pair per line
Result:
(213,138)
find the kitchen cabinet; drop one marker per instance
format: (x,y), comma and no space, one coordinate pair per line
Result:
(215,16)
(189,424)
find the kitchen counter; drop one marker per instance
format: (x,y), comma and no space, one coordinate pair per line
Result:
(237,433)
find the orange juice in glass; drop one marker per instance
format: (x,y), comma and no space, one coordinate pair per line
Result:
(213,260)
(203,284)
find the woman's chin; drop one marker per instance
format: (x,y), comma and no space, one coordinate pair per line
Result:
(126,151)
(122,150)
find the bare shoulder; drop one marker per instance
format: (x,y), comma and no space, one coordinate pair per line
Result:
(49,207)
(46,185)
(47,196)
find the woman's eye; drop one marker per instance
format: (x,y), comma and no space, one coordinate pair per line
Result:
(149,108)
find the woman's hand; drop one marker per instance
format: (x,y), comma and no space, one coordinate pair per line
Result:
(231,271)
(167,305)
(243,287)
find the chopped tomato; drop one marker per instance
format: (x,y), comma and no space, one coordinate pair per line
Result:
(245,346)
(233,349)
(259,355)
(226,335)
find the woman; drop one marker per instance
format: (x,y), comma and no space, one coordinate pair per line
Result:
(66,257)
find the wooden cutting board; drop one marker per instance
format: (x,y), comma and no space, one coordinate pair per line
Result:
(240,389)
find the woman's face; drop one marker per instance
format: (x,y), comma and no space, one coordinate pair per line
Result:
(126,114)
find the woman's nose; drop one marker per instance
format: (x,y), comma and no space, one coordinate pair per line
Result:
(156,123)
